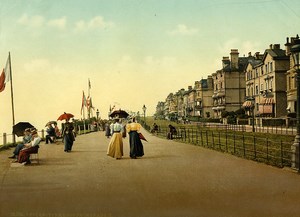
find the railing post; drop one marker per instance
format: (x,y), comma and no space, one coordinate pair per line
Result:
(4,139)
(43,134)
(244,146)
(281,153)
(254,144)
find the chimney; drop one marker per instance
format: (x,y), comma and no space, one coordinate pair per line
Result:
(271,46)
(276,46)
(234,55)
(249,54)
(287,46)
(190,88)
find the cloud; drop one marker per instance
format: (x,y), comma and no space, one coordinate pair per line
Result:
(182,29)
(244,47)
(37,65)
(97,22)
(59,23)
(31,21)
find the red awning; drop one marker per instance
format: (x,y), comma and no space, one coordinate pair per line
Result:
(247,104)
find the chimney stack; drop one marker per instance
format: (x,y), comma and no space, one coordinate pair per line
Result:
(234,55)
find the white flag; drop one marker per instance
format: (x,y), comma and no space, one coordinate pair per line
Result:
(7,70)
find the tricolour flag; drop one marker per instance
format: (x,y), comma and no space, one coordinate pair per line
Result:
(83,103)
(5,75)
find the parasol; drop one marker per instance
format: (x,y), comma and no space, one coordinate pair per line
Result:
(142,137)
(65,116)
(119,114)
(20,127)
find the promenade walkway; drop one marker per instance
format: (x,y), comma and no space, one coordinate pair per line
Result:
(171,180)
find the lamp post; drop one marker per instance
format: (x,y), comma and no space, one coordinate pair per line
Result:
(97,113)
(252,99)
(144,110)
(295,52)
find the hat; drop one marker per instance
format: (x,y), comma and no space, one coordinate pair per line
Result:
(33,131)
(27,130)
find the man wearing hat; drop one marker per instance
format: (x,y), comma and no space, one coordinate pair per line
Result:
(19,147)
(29,148)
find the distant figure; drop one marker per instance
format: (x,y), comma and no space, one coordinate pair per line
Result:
(172,131)
(136,146)
(68,136)
(115,147)
(107,130)
(50,134)
(154,128)
(57,131)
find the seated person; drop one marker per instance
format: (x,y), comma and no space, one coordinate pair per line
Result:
(50,133)
(26,139)
(57,131)
(29,148)
(154,128)
(172,131)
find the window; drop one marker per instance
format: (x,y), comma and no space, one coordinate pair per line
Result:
(271,67)
(262,70)
(261,87)
(256,89)
(256,73)
(266,68)
(271,83)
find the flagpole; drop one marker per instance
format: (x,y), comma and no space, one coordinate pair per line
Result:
(88,108)
(12,97)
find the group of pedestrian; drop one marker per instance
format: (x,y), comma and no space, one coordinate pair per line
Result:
(115,147)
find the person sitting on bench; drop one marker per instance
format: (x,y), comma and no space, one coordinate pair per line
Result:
(29,148)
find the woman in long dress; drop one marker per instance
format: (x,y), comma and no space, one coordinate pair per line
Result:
(136,146)
(115,147)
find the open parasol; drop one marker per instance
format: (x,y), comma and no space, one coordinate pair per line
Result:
(20,127)
(119,114)
(65,116)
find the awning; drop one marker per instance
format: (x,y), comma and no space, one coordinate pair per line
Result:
(247,104)
(265,109)
(269,101)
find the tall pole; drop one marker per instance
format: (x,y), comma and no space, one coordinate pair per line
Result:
(12,97)
(295,52)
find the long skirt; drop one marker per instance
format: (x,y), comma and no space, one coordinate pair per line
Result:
(68,141)
(136,146)
(115,147)
(25,153)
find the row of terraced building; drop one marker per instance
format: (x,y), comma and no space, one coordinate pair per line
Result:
(262,84)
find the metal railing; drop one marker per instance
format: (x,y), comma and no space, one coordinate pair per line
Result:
(276,152)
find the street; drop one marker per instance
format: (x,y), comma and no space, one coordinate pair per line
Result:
(172,180)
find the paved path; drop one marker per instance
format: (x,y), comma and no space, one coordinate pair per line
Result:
(171,180)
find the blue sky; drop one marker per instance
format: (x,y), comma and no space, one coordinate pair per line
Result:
(134,52)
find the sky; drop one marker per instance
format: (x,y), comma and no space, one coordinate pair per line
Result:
(135,52)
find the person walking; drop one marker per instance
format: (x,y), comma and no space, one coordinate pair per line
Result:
(136,146)
(115,147)
(68,136)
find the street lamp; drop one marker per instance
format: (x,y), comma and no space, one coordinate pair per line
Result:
(144,110)
(252,107)
(295,51)
(97,113)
